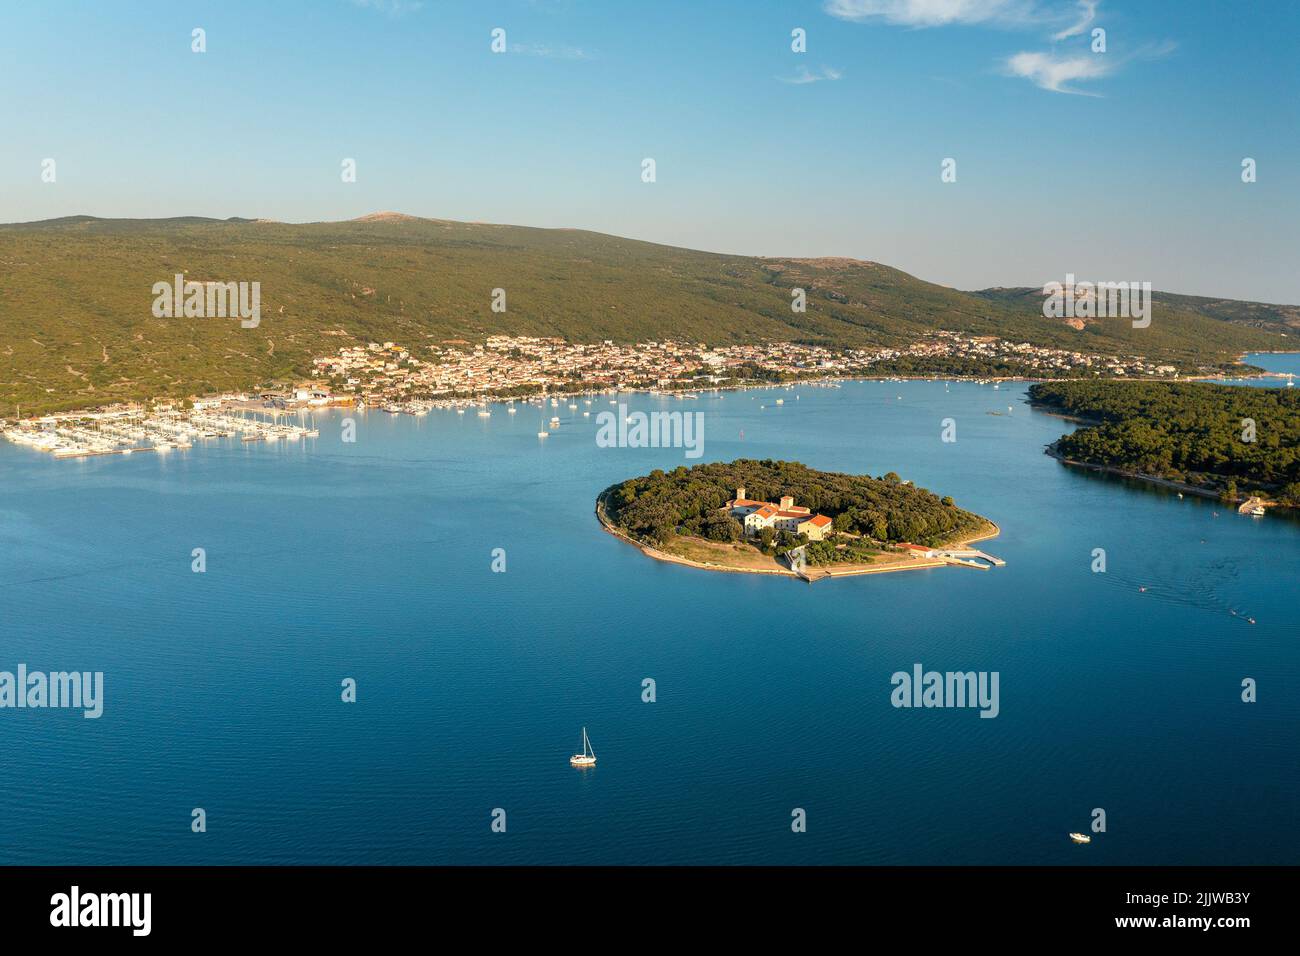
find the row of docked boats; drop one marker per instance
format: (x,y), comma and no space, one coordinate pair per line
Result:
(124,433)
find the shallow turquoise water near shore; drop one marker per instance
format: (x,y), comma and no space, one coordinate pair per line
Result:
(372,560)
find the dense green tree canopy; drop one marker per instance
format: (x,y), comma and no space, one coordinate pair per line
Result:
(1195,432)
(689,501)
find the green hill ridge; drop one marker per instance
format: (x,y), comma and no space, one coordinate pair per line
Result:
(75,300)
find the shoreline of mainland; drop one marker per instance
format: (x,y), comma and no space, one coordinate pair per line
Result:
(1199,491)
(466,401)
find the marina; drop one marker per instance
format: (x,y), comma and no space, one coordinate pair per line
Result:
(130,430)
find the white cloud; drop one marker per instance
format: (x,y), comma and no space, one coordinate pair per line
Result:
(805,75)
(934,13)
(1057,72)
(1008,14)
(1087,13)
(1050,71)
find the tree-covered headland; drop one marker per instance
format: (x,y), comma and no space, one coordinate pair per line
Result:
(1229,439)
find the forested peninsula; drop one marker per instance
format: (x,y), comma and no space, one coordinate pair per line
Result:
(1231,441)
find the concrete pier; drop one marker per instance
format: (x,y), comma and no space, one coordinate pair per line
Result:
(964,556)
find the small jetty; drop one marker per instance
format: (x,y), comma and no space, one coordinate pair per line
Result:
(970,558)
(966,557)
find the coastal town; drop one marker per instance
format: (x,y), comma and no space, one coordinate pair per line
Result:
(392,376)
(457,374)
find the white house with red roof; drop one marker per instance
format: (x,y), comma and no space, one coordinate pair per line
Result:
(918,550)
(784,515)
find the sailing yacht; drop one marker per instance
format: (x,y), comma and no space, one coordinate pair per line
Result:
(588,756)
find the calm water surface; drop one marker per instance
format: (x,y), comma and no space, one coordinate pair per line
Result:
(372,560)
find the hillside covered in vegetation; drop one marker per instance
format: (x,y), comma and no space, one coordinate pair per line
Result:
(1204,315)
(690,501)
(75,302)
(1232,439)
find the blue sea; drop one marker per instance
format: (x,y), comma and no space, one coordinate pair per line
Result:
(373,560)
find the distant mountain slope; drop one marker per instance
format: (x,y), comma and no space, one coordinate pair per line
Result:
(75,300)
(1258,315)
(1178,323)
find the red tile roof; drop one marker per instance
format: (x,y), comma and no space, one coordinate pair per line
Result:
(751,503)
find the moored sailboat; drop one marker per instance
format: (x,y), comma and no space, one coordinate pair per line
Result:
(588,756)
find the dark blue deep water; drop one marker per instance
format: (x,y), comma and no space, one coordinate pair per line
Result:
(372,560)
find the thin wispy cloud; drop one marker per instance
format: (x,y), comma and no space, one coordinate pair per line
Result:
(548,51)
(1087,14)
(1076,15)
(1058,71)
(805,75)
(934,13)
(1051,71)
(392,8)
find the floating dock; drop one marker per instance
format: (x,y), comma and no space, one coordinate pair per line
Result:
(970,558)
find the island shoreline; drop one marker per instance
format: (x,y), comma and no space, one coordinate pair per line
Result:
(847,570)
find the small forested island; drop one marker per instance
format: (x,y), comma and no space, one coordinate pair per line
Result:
(782,517)
(1232,442)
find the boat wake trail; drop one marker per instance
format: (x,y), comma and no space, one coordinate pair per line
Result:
(1213,586)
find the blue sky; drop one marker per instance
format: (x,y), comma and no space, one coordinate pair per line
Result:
(1117,165)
